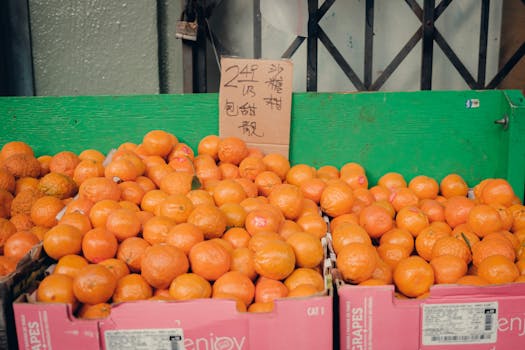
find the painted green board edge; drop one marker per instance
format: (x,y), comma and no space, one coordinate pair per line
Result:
(424,132)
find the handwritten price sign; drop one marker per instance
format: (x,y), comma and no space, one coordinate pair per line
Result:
(255,102)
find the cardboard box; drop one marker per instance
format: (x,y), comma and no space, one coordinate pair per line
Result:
(204,324)
(453,316)
(28,270)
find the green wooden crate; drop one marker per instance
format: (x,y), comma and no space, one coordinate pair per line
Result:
(428,132)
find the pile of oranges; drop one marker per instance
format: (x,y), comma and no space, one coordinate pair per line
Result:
(159,221)
(417,234)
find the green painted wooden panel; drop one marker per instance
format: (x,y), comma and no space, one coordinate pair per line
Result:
(424,132)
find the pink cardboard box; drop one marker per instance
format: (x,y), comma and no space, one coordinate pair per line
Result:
(452,317)
(302,323)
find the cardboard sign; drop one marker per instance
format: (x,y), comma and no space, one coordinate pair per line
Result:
(255,101)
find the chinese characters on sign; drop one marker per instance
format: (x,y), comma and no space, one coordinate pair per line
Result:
(255,102)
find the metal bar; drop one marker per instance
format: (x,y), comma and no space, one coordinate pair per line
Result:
(200,83)
(349,72)
(414,6)
(187,61)
(293,47)
(403,53)
(428,44)
(441,8)
(311,43)
(483,38)
(16,73)
(454,59)
(257,29)
(324,8)
(507,67)
(162,46)
(369,42)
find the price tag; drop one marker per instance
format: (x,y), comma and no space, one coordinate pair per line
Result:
(465,323)
(145,339)
(255,101)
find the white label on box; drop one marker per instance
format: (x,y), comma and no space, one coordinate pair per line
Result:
(465,323)
(145,339)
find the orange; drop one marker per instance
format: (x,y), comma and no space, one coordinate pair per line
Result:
(189,286)
(19,244)
(240,306)
(392,254)
(518,215)
(307,248)
(412,219)
(64,162)
(184,236)
(206,169)
(15,147)
(302,276)
(249,187)
(118,267)
(152,199)
(265,181)
(209,145)
(209,219)
(21,222)
(44,211)
(288,198)
(403,197)
(464,232)
(79,205)
(98,188)
(209,260)
(424,187)
(156,229)
(426,240)
(7,265)
(93,312)
(200,197)
(375,220)
(181,150)
(100,211)
(121,169)
(22,165)
(232,150)
(314,224)
(288,227)
(94,284)
(337,199)
(228,191)
(56,288)
(7,181)
(229,171)
(349,217)
(242,261)
(298,173)
(251,166)
(99,244)
(123,223)
(237,236)
(497,191)
(313,189)
(357,262)
(26,183)
(92,154)
(448,268)
(145,183)
(413,276)
(267,290)
(520,264)
(158,172)
(363,198)
(328,172)
(392,181)
(354,175)
(498,269)
(259,240)
(263,219)
(62,240)
(255,152)
(309,208)
(252,203)
(488,247)
(161,263)
(453,185)
(235,214)
(472,280)
(7,229)
(131,251)
(348,232)
(58,185)
(484,219)
(132,287)
(380,193)
(452,246)
(176,182)
(182,164)
(177,207)
(70,265)
(457,209)
(303,290)
(236,284)
(432,209)
(399,236)
(80,221)
(158,142)
(275,259)
(6,199)
(277,163)
(382,272)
